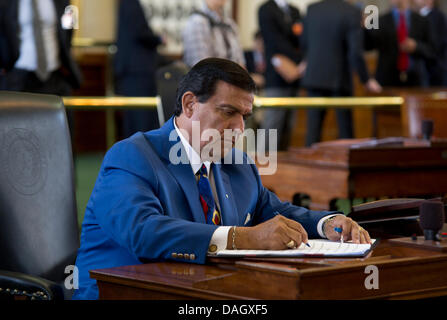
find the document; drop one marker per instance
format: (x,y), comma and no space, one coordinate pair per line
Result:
(318,248)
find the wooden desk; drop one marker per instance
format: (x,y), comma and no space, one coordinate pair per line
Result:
(404,273)
(328,172)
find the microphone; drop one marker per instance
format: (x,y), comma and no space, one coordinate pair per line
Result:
(427,129)
(431,219)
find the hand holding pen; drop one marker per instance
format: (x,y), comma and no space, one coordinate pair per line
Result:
(341,228)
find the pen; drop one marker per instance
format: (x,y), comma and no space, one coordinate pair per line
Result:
(339,230)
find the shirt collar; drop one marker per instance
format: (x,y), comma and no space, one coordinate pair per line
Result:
(425,11)
(281,3)
(193,156)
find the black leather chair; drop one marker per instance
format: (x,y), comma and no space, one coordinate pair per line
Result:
(39,234)
(168,78)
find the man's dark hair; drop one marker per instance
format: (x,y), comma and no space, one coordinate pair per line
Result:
(203,77)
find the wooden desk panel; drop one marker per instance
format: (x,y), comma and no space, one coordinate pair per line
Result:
(404,273)
(329,173)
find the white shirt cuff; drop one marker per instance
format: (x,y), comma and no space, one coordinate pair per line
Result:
(219,239)
(321,222)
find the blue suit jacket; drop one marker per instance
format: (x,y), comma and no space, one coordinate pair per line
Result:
(144,208)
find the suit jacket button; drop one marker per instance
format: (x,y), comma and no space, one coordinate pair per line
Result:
(174,255)
(186,256)
(180,255)
(212,248)
(192,256)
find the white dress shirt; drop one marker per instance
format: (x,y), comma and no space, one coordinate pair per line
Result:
(220,236)
(425,11)
(28,57)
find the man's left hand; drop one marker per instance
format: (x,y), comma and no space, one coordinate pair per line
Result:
(351,230)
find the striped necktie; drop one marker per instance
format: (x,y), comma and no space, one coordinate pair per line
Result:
(212,215)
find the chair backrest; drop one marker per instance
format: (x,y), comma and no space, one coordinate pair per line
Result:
(168,78)
(418,108)
(38,221)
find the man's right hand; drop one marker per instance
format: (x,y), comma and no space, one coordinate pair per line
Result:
(273,234)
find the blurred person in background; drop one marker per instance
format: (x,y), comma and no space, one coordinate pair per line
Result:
(404,43)
(281,28)
(436,68)
(35,48)
(135,63)
(209,32)
(9,42)
(333,46)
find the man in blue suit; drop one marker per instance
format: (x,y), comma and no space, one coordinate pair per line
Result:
(159,197)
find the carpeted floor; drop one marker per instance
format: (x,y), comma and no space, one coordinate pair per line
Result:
(87,168)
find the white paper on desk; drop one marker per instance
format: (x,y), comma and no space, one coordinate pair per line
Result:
(325,248)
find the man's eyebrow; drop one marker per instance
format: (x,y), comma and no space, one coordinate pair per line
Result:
(230,106)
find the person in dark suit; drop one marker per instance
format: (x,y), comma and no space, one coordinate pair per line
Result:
(280,25)
(333,47)
(37,56)
(160,197)
(135,64)
(404,43)
(9,41)
(437,68)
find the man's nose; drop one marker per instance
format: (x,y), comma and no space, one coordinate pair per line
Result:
(238,123)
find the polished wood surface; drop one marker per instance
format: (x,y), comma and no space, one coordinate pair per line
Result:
(404,273)
(420,242)
(327,173)
(417,108)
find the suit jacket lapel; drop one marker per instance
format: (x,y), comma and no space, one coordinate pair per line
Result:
(281,18)
(185,177)
(392,30)
(182,172)
(225,195)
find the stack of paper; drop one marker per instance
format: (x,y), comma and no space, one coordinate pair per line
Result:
(323,248)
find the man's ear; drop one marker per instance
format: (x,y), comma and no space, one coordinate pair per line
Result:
(189,99)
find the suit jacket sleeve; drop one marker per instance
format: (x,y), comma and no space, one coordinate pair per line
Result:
(425,44)
(269,206)
(127,208)
(438,31)
(133,16)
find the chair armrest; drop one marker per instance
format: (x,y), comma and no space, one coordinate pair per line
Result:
(25,285)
